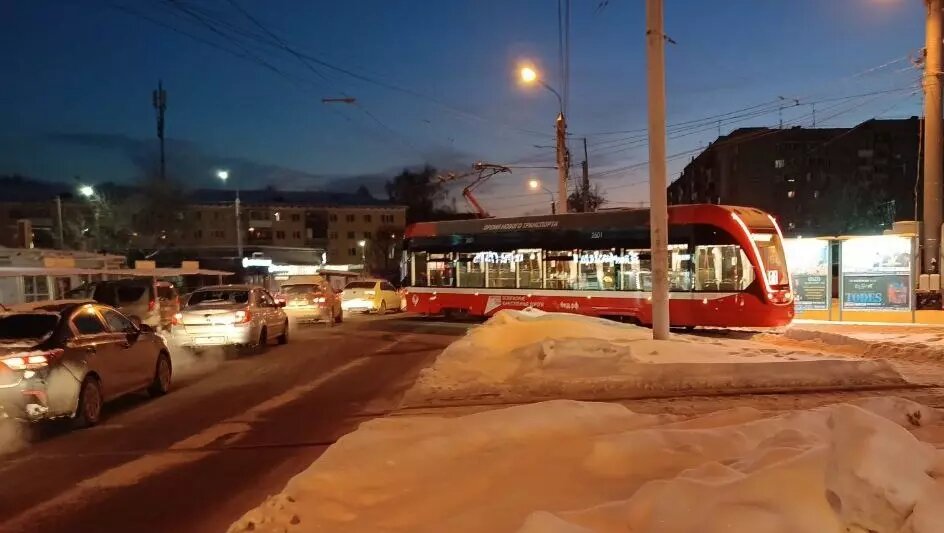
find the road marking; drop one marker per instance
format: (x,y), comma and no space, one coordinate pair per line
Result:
(185,451)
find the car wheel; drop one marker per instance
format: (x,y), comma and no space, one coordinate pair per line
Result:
(383,307)
(283,338)
(160,385)
(89,410)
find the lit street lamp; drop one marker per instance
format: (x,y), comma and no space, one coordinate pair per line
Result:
(363,245)
(87,191)
(529,75)
(535,185)
(224,175)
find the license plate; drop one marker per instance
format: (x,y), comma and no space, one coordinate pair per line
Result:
(208,340)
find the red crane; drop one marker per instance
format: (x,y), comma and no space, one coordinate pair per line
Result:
(482,172)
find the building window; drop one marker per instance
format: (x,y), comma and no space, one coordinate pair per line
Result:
(296,235)
(780,163)
(333,217)
(816,194)
(278,216)
(350,235)
(35,288)
(386,218)
(296,217)
(367,218)
(333,235)
(279,234)
(216,215)
(198,215)
(791,194)
(219,234)
(198,234)
(367,235)
(352,252)
(349,218)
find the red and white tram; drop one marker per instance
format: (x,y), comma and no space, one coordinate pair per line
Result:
(727,266)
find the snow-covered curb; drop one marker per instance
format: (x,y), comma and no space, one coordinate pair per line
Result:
(532,355)
(573,467)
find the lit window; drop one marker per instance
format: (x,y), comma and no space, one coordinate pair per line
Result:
(791,194)
(816,194)
(780,163)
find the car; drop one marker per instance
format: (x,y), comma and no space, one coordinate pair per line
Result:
(144,300)
(375,295)
(242,316)
(65,359)
(310,299)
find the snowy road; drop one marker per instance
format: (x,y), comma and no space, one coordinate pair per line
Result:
(234,432)
(230,434)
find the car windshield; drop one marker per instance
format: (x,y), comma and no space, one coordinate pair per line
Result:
(301,290)
(226,296)
(27,328)
(361,285)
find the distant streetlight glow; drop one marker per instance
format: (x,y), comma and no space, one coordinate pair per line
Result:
(534,184)
(362,243)
(222,174)
(528,74)
(87,191)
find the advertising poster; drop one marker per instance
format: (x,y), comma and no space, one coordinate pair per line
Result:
(808,262)
(876,273)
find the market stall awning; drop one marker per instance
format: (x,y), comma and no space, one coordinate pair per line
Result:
(14,271)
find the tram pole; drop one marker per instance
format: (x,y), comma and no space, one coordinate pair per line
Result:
(933,161)
(658,209)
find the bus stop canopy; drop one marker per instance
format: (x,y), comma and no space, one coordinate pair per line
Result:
(14,271)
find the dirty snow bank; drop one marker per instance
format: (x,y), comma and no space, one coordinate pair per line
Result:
(533,354)
(574,467)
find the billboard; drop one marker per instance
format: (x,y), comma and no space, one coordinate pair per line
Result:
(876,273)
(808,263)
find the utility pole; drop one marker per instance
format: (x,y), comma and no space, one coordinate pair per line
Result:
(563,162)
(159,101)
(931,227)
(658,209)
(586,178)
(62,234)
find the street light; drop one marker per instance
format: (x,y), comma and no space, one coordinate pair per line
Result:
(363,245)
(224,176)
(535,185)
(529,75)
(87,191)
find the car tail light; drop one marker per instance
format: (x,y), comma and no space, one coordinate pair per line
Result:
(243,317)
(178,319)
(151,305)
(30,360)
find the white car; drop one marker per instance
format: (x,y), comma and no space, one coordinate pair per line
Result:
(374,295)
(230,315)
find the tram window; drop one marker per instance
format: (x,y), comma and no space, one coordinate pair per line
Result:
(501,275)
(637,274)
(420,279)
(597,270)
(439,270)
(560,270)
(471,273)
(722,268)
(680,268)
(529,269)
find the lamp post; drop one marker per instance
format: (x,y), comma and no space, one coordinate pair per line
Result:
(658,208)
(224,175)
(529,75)
(535,185)
(89,193)
(363,246)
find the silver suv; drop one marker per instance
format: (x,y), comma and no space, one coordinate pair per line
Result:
(230,315)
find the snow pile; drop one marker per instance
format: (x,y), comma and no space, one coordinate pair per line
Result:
(574,467)
(897,345)
(532,354)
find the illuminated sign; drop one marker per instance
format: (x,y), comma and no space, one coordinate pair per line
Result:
(294,270)
(256,262)
(808,263)
(498,258)
(592,258)
(876,273)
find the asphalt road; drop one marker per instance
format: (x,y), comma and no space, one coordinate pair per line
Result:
(230,433)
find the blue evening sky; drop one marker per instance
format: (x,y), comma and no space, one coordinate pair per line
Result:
(78,76)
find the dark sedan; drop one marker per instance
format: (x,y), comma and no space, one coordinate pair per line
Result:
(65,359)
